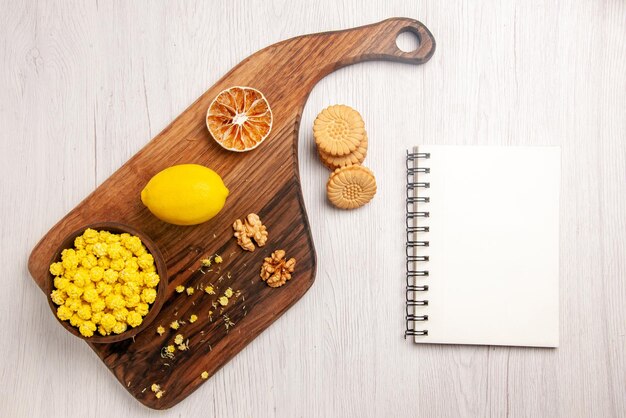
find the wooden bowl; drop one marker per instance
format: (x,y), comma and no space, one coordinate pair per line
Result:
(161,270)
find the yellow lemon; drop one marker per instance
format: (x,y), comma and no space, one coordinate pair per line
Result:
(186,194)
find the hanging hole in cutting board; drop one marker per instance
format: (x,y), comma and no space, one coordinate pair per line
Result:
(407,41)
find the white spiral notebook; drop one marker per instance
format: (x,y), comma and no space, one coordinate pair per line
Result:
(483,245)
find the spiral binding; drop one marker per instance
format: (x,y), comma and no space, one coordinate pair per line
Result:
(412,241)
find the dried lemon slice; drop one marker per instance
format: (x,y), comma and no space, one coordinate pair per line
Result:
(338,130)
(351,187)
(355,157)
(239,118)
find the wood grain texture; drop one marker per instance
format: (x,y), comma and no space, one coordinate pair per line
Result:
(518,72)
(263,181)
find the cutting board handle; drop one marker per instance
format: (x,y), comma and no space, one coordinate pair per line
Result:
(380,41)
(319,54)
(326,52)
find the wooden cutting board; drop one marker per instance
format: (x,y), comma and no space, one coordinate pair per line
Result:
(265,181)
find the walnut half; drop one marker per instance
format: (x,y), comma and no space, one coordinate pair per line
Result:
(276,270)
(251,227)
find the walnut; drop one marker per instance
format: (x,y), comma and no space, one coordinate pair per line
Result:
(242,236)
(276,270)
(252,227)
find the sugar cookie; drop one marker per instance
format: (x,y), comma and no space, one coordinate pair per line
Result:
(355,157)
(338,130)
(351,187)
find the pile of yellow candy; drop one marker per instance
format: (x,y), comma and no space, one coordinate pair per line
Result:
(105,283)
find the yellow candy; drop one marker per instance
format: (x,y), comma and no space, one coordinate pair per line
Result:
(142,309)
(80,277)
(61,282)
(69,260)
(67,253)
(58,297)
(117,289)
(56,269)
(104,262)
(120,314)
(134,319)
(76,321)
(151,279)
(126,254)
(117,264)
(107,280)
(129,275)
(96,317)
(133,244)
(73,291)
(73,304)
(98,305)
(101,249)
(88,284)
(114,251)
(104,289)
(64,313)
(84,312)
(96,273)
(129,289)
(110,276)
(148,295)
(132,300)
(90,295)
(112,238)
(114,302)
(145,261)
(138,279)
(89,261)
(119,328)
(87,328)
(108,321)
(79,243)
(102,236)
(131,264)
(91,236)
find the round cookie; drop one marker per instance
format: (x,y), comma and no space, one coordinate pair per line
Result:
(355,157)
(351,187)
(338,130)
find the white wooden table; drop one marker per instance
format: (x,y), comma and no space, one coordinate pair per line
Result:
(85,84)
